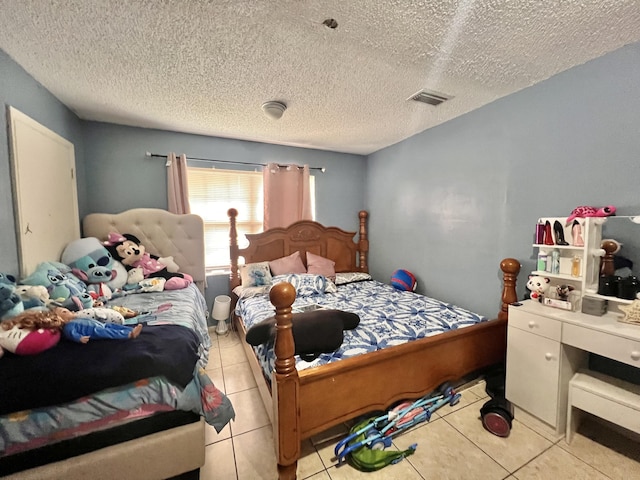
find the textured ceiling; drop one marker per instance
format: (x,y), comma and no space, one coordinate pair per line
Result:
(206,67)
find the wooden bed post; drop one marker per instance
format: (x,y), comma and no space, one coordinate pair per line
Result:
(285,385)
(233,248)
(363,241)
(510,268)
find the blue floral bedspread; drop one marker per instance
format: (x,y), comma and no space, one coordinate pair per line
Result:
(387,317)
(186,307)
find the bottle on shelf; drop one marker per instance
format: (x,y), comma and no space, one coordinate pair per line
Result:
(539,232)
(575,266)
(542,261)
(555,262)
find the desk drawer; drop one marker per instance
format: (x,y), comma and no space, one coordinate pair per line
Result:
(530,322)
(607,345)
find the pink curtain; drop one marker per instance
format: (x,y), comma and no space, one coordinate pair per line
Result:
(177,187)
(286,195)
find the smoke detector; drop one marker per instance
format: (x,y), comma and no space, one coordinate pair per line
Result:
(274,110)
(430,97)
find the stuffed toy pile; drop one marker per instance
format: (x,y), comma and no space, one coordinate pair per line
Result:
(89,274)
(127,249)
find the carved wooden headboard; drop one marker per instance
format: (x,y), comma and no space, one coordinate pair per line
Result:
(304,236)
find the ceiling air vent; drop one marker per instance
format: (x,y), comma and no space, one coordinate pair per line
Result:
(430,97)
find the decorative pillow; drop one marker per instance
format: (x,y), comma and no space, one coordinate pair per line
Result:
(343,278)
(320,265)
(291,264)
(307,284)
(255,274)
(249,292)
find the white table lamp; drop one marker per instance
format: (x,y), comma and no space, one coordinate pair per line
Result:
(220,312)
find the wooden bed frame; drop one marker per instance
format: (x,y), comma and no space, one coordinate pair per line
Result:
(303,403)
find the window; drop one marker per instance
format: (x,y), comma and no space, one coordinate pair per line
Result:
(212,192)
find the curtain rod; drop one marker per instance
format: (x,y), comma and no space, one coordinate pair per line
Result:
(149,154)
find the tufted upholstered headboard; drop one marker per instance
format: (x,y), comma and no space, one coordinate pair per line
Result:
(161,232)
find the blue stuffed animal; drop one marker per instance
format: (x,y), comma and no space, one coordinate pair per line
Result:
(10,301)
(64,288)
(92,263)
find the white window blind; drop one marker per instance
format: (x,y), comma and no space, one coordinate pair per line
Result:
(211,193)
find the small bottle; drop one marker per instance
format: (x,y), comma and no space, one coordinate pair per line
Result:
(575,266)
(542,261)
(539,232)
(555,262)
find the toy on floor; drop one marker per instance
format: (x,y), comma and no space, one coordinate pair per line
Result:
(497,413)
(364,447)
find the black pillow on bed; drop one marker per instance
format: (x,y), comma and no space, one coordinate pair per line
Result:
(315,332)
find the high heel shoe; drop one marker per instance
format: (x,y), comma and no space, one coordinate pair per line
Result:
(576,232)
(559,233)
(548,237)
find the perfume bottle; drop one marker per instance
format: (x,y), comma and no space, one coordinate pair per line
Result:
(555,262)
(539,232)
(542,261)
(575,266)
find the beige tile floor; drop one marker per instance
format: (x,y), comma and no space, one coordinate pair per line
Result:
(452,445)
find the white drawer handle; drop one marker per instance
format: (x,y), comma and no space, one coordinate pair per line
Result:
(548,356)
(532,324)
(635,355)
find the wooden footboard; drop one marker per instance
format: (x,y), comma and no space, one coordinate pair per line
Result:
(310,401)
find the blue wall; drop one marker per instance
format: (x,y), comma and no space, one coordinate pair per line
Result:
(121,177)
(18,89)
(467,193)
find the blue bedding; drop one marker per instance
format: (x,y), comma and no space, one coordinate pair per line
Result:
(387,317)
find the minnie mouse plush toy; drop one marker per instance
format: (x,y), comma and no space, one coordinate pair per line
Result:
(132,254)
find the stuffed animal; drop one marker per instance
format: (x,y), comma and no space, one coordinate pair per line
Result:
(127,249)
(64,288)
(585,211)
(28,333)
(10,302)
(33,296)
(538,286)
(92,263)
(119,276)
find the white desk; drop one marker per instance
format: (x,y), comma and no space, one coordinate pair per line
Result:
(546,347)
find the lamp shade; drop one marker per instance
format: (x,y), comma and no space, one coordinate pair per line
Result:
(221,307)
(220,312)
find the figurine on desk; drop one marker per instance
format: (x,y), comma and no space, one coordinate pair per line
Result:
(563,292)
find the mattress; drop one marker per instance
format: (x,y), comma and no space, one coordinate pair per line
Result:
(388,317)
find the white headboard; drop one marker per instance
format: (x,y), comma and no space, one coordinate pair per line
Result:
(161,232)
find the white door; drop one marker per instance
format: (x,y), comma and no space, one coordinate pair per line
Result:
(44,191)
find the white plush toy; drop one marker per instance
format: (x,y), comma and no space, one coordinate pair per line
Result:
(33,296)
(538,286)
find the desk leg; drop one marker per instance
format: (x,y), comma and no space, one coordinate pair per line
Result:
(574,360)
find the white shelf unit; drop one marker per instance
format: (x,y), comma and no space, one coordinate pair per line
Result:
(589,254)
